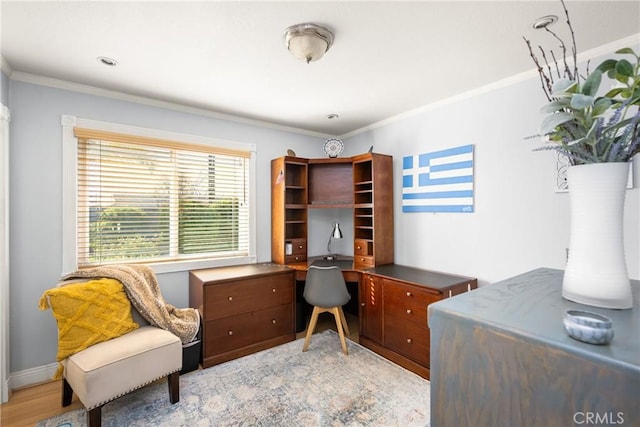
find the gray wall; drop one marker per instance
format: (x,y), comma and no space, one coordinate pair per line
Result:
(4,89)
(36,197)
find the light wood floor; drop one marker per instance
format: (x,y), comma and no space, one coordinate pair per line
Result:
(29,405)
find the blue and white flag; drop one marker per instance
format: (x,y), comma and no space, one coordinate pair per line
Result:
(441,181)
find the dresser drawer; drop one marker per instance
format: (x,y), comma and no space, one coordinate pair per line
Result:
(365,261)
(235,332)
(407,302)
(407,338)
(299,247)
(292,259)
(363,247)
(244,296)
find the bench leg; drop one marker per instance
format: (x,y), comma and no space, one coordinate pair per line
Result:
(67,393)
(94,417)
(174,387)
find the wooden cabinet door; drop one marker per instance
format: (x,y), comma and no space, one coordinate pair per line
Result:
(371,307)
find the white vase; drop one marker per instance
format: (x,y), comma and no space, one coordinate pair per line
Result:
(596,272)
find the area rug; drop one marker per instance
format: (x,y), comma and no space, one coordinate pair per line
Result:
(281,386)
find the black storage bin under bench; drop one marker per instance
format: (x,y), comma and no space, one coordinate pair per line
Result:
(192,352)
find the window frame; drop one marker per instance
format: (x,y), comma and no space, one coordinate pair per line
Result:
(70,191)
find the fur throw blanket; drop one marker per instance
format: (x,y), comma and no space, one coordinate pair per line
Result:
(142,288)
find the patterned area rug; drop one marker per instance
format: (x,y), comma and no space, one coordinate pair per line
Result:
(281,386)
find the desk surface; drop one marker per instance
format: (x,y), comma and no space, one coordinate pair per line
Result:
(433,279)
(344,262)
(236,272)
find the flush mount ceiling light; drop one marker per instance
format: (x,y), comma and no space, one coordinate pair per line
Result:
(107,61)
(544,22)
(308,41)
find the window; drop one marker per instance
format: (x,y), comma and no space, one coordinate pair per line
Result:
(152,200)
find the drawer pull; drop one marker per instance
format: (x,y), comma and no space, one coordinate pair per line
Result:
(273,290)
(362,304)
(273,321)
(230,332)
(409,294)
(230,298)
(361,259)
(300,247)
(409,311)
(409,340)
(359,247)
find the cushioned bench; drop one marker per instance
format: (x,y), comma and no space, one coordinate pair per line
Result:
(107,349)
(110,369)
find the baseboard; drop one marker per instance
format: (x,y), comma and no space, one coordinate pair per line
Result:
(28,377)
(6,391)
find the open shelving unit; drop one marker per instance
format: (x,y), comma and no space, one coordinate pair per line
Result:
(362,183)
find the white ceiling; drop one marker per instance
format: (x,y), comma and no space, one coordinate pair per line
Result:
(388,57)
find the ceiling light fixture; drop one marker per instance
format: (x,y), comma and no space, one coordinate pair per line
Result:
(544,22)
(308,41)
(107,61)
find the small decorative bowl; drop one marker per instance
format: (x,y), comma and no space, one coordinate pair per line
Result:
(588,327)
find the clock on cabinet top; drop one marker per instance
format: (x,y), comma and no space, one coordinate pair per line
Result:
(333,147)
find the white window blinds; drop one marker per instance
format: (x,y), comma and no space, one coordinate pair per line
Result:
(149,200)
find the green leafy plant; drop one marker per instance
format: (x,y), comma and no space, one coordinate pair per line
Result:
(581,124)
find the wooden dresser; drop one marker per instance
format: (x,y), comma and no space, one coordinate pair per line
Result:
(393,311)
(244,308)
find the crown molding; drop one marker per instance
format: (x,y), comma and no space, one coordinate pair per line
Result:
(606,49)
(153,102)
(92,90)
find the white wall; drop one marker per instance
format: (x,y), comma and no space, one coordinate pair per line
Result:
(520,222)
(36,197)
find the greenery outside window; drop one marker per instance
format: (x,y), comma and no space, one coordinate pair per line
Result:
(151,200)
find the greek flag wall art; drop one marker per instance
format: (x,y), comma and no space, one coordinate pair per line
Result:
(441,181)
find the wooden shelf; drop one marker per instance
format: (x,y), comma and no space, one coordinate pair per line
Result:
(363,184)
(331,206)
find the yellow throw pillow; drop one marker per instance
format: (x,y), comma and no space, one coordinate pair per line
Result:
(88,313)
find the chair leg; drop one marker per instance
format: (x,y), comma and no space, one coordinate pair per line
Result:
(94,417)
(336,313)
(174,387)
(344,322)
(311,328)
(67,393)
